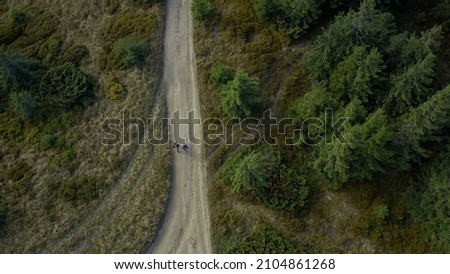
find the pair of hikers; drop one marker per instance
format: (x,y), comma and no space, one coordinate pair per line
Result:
(177,146)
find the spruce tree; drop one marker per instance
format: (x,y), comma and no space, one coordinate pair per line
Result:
(357,75)
(424,123)
(251,170)
(412,85)
(239,96)
(365,152)
(365,27)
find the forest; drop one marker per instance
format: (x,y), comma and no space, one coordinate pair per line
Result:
(384,66)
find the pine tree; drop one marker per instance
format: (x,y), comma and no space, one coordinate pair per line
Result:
(366,27)
(239,96)
(430,204)
(16,71)
(24,104)
(251,171)
(312,104)
(357,75)
(424,122)
(406,49)
(411,85)
(365,153)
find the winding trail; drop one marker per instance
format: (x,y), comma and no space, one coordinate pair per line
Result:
(185,228)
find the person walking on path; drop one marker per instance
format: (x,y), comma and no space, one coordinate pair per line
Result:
(177,146)
(185,148)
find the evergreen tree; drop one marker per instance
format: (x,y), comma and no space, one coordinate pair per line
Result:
(366,27)
(312,104)
(365,153)
(406,49)
(16,71)
(430,204)
(291,17)
(24,104)
(357,75)
(251,171)
(239,96)
(410,86)
(424,123)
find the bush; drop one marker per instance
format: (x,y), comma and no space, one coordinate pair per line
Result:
(68,156)
(381,211)
(288,190)
(85,190)
(116,91)
(201,9)
(47,141)
(129,51)
(265,241)
(63,86)
(221,74)
(17,15)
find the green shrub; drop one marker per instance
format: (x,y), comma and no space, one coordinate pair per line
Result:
(85,190)
(221,74)
(287,190)
(381,211)
(60,142)
(142,25)
(17,15)
(68,119)
(47,141)
(129,51)
(201,9)
(264,241)
(116,91)
(63,86)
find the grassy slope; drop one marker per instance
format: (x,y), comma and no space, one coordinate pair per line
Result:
(341,221)
(131,197)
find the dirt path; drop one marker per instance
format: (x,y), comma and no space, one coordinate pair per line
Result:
(186,225)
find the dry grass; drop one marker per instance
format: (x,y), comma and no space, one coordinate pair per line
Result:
(133,181)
